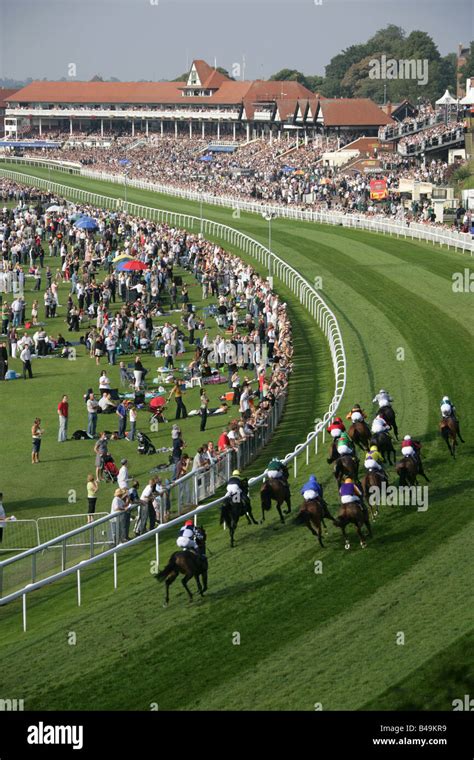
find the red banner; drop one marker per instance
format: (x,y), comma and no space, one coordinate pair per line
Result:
(378,189)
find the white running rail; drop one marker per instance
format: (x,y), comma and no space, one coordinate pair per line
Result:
(305,293)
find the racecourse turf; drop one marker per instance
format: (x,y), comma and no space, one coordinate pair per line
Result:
(306,637)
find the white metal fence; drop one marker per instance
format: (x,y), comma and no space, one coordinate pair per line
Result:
(308,297)
(428,233)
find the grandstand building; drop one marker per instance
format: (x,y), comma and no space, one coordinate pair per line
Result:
(207,104)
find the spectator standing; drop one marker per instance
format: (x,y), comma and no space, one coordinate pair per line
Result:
(204,403)
(92,407)
(36,435)
(25,357)
(122,421)
(132,416)
(63,414)
(122,477)
(138,370)
(92,488)
(3,360)
(178,395)
(100,450)
(119,507)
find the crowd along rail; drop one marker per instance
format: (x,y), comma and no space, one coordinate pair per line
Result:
(401,228)
(306,294)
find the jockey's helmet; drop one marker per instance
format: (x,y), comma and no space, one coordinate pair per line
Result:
(348,480)
(382,391)
(236,473)
(188,522)
(407,437)
(445,398)
(374,448)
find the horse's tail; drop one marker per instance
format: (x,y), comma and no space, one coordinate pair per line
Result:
(302,518)
(171,567)
(445,432)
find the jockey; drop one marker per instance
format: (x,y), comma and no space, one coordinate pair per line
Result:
(383,398)
(356,414)
(234,486)
(379,425)
(447,408)
(410,448)
(312,489)
(275,469)
(344,445)
(185,539)
(373,461)
(349,492)
(336,427)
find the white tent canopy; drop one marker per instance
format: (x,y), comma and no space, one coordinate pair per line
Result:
(468,99)
(446,100)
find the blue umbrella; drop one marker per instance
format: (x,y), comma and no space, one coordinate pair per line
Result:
(86,223)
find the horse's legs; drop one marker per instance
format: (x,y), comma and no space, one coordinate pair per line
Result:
(231,533)
(360,534)
(204,580)
(198,584)
(288,502)
(171,577)
(250,518)
(185,580)
(346,540)
(459,433)
(278,506)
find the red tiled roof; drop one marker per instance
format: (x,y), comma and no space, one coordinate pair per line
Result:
(353,112)
(4,94)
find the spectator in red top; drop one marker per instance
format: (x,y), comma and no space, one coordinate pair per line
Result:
(223,443)
(336,427)
(63,414)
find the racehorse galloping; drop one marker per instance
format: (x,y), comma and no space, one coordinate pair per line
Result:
(346,467)
(372,480)
(449,429)
(384,445)
(190,564)
(353,513)
(231,512)
(276,489)
(312,514)
(359,433)
(389,416)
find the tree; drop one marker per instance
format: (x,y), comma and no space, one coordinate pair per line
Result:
(466,70)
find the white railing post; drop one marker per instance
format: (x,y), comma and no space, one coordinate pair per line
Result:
(24,612)
(78,588)
(115,571)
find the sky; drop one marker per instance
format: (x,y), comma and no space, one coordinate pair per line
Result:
(157,39)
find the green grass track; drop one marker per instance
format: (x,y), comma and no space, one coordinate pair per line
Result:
(306,637)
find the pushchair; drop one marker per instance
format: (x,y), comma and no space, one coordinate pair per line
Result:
(109,469)
(145,445)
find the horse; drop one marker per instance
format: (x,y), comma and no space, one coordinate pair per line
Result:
(407,470)
(355,514)
(359,433)
(372,479)
(312,513)
(384,445)
(387,413)
(190,564)
(276,489)
(449,429)
(231,512)
(346,466)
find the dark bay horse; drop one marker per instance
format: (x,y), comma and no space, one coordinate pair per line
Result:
(189,564)
(276,489)
(373,479)
(389,416)
(449,429)
(232,511)
(312,513)
(346,467)
(359,433)
(384,445)
(408,469)
(355,514)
